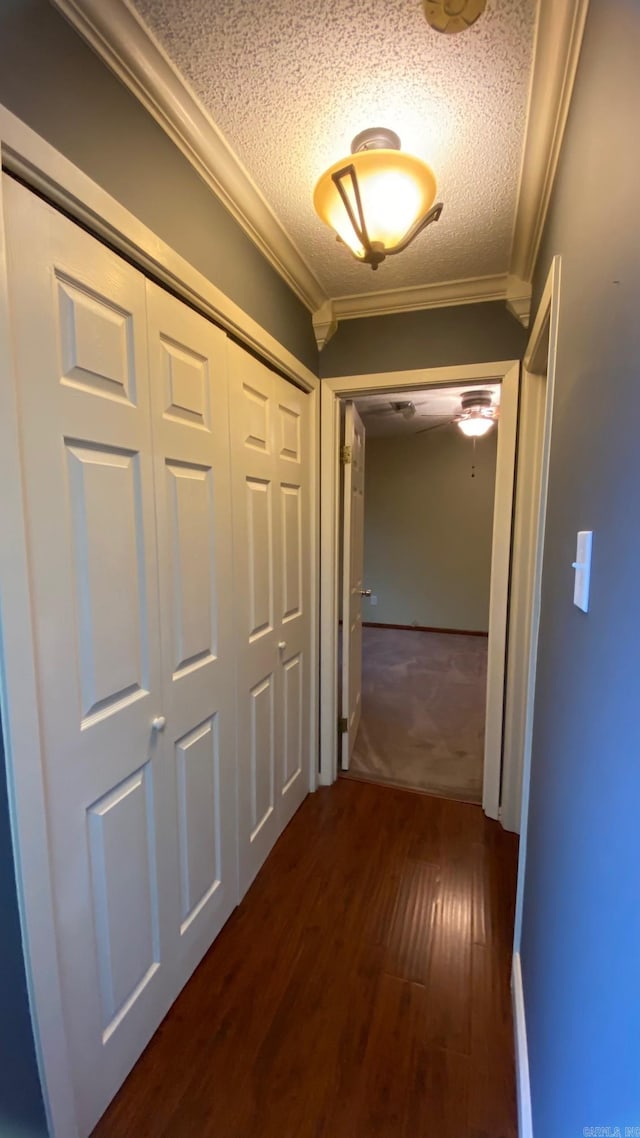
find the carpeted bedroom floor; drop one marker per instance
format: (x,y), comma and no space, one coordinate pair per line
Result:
(423,709)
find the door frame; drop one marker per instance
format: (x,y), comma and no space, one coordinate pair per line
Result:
(541,352)
(536,414)
(44,169)
(506,373)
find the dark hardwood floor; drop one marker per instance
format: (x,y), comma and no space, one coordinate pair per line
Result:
(361,990)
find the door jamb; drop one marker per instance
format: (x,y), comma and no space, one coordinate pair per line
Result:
(521,710)
(331,391)
(40,166)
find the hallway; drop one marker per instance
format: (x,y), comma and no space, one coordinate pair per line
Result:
(361,989)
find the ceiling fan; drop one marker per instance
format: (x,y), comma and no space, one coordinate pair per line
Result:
(476,416)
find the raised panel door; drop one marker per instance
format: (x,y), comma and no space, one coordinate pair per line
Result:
(79,327)
(270,494)
(190,421)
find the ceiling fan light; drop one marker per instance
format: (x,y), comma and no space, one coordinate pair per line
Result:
(475,426)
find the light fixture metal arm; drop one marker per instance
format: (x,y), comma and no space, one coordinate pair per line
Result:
(433,215)
(374,253)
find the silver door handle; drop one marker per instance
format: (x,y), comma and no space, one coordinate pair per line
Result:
(159,723)
(365,592)
(282,644)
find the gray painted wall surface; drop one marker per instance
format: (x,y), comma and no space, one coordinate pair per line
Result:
(428,528)
(21,1107)
(437,337)
(52,81)
(581,929)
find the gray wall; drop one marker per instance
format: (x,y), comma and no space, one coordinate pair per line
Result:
(21,1107)
(438,337)
(51,80)
(581,930)
(428,528)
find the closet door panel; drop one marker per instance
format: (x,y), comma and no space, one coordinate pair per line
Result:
(79,335)
(271,517)
(190,421)
(292,431)
(255,565)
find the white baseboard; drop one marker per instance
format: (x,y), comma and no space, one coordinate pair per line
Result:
(525,1122)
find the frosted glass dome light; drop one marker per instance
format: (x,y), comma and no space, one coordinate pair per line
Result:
(378,199)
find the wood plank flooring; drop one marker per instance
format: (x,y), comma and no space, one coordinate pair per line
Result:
(361,990)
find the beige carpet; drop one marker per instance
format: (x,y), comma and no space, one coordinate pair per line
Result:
(423,698)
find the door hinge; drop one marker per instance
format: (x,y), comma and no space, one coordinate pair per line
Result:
(343,725)
(345,455)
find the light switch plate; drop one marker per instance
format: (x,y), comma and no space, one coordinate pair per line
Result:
(582,566)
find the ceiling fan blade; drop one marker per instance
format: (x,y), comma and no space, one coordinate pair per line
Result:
(435,427)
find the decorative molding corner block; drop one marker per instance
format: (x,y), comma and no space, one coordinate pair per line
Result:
(324,324)
(519,300)
(123,43)
(556,53)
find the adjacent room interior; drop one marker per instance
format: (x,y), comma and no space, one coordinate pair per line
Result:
(427,530)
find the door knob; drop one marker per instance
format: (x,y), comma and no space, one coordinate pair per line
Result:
(365,592)
(282,644)
(159,723)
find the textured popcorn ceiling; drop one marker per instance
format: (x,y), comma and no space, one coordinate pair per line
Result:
(433,406)
(291,82)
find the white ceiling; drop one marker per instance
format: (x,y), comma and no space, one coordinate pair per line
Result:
(290,83)
(433,406)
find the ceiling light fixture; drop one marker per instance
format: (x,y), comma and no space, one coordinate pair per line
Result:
(478,414)
(379,199)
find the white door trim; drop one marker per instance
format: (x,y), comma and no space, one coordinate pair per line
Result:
(520,723)
(23,152)
(523,1085)
(332,390)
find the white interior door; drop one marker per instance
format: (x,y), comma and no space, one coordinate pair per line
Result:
(80,343)
(352,579)
(190,416)
(271,511)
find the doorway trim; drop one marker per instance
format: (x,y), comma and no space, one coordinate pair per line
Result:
(540,358)
(506,373)
(42,168)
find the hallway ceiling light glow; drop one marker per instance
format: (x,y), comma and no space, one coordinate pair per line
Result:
(379,198)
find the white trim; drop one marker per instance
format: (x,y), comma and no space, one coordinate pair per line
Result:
(558,41)
(506,372)
(548,312)
(123,42)
(417,298)
(118,36)
(41,166)
(523,1085)
(499,590)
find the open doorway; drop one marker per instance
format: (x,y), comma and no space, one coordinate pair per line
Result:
(335,390)
(418,499)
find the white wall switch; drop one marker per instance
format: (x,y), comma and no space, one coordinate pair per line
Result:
(582,566)
(373,600)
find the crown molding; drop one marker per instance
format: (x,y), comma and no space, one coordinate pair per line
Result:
(125,45)
(121,40)
(558,39)
(473,290)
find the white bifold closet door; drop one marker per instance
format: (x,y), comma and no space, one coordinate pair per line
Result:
(270,433)
(129,545)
